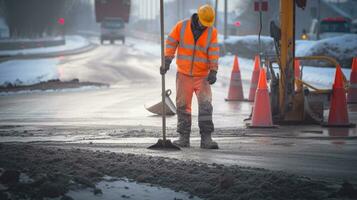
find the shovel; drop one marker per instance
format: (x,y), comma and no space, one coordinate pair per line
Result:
(170,108)
(163,144)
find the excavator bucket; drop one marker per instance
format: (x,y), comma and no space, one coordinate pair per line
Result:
(157,108)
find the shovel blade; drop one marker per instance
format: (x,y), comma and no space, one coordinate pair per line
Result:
(157,108)
(164,145)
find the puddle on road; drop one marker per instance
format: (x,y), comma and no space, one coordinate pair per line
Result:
(341,132)
(123,189)
(330,132)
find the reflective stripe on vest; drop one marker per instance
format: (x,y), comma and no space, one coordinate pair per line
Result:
(213,53)
(171,39)
(170,46)
(353,86)
(213,45)
(189,58)
(214,61)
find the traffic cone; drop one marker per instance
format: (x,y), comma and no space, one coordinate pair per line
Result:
(235,92)
(254,80)
(262,116)
(297,74)
(297,68)
(338,115)
(352,90)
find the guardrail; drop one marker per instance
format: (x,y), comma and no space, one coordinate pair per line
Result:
(18,45)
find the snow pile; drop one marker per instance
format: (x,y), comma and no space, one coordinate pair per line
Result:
(72,43)
(342,48)
(26,72)
(302,46)
(320,77)
(247,46)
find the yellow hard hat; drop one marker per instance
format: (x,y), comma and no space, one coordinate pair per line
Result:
(206,15)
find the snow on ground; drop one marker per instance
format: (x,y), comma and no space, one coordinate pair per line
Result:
(302,46)
(342,48)
(33,71)
(321,76)
(72,43)
(149,47)
(80,89)
(27,72)
(338,47)
(248,39)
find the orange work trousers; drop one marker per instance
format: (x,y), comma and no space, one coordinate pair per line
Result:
(185,87)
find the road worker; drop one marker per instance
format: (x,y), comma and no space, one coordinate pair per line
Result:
(195,40)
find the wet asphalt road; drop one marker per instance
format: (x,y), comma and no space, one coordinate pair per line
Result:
(135,82)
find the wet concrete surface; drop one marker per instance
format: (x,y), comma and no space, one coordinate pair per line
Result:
(307,150)
(332,160)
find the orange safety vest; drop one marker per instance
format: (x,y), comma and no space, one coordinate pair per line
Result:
(193,59)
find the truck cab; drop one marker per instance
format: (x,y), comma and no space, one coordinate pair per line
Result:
(112,29)
(329,27)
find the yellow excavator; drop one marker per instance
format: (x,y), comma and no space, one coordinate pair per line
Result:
(293,101)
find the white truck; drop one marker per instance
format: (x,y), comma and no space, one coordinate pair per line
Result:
(328,27)
(112,16)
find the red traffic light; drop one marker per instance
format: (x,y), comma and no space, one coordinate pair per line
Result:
(61,21)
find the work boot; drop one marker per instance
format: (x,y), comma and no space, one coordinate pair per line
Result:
(183,141)
(207,142)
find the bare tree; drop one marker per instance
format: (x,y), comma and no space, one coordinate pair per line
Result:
(34,18)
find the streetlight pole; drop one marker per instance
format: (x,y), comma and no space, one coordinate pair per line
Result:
(318,19)
(215,11)
(225,19)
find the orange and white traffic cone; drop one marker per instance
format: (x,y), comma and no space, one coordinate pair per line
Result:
(235,92)
(338,115)
(352,90)
(262,116)
(254,80)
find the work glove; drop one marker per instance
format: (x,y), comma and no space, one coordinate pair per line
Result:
(212,77)
(164,69)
